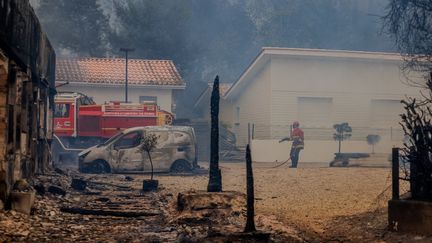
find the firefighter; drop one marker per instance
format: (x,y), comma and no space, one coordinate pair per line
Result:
(297,136)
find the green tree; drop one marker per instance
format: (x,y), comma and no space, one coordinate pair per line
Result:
(148,144)
(77,26)
(328,24)
(409,22)
(373,139)
(343,132)
(156,29)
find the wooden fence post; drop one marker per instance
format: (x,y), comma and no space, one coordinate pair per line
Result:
(395,173)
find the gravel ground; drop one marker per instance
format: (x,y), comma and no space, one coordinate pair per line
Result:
(313,203)
(324,203)
(304,195)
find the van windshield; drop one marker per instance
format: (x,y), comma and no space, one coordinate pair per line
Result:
(111,139)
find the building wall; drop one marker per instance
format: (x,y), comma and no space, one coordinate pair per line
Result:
(104,94)
(3,106)
(316,150)
(352,86)
(364,93)
(252,106)
(226,113)
(27,64)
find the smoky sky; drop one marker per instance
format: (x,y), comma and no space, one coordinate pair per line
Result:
(206,38)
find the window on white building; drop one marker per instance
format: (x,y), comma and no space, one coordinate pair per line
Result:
(237,116)
(146,98)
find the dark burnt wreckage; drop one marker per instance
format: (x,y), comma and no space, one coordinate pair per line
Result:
(27,89)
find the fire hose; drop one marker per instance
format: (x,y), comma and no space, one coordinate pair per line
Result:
(286,161)
(64,147)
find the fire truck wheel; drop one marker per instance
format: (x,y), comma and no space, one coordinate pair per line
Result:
(99,167)
(181,166)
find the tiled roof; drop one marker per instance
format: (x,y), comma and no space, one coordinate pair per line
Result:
(112,71)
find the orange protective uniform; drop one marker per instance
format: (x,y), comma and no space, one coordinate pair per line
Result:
(297,136)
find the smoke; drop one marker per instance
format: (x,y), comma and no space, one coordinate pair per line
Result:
(212,37)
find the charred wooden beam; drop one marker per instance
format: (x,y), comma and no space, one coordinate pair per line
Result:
(215,180)
(250,215)
(101,212)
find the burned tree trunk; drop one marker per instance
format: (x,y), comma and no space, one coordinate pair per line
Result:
(215,180)
(250,215)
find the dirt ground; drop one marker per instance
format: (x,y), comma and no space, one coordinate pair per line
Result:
(323,203)
(313,203)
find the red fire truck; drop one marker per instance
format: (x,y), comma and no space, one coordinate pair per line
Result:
(80,123)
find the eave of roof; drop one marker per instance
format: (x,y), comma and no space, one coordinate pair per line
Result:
(106,85)
(300,52)
(332,53)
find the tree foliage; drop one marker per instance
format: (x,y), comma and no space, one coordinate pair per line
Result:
(373,139)
(156,29)
(210,37)
(148,144)
(410,22)
(76,27)
(343,132)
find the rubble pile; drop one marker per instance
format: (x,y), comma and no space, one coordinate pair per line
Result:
(113,208)
(202,214)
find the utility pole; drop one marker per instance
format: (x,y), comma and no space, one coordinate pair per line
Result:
(126,51)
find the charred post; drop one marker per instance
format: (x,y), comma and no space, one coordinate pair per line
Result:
(215,180)
(250,216)
(395,173)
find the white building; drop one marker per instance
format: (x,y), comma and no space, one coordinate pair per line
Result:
(318,88)
(104,79)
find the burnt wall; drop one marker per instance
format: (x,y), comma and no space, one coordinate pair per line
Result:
(27,89)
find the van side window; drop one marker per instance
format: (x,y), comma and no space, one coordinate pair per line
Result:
(129,140)
(181,138)
(163,138)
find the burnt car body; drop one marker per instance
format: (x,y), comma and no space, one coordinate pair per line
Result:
(176,151)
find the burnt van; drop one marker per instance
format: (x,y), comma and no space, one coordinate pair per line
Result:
(176,151)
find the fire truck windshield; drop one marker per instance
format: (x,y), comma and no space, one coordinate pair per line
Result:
(61,110)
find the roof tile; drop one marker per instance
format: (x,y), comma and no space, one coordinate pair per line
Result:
(112,71)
